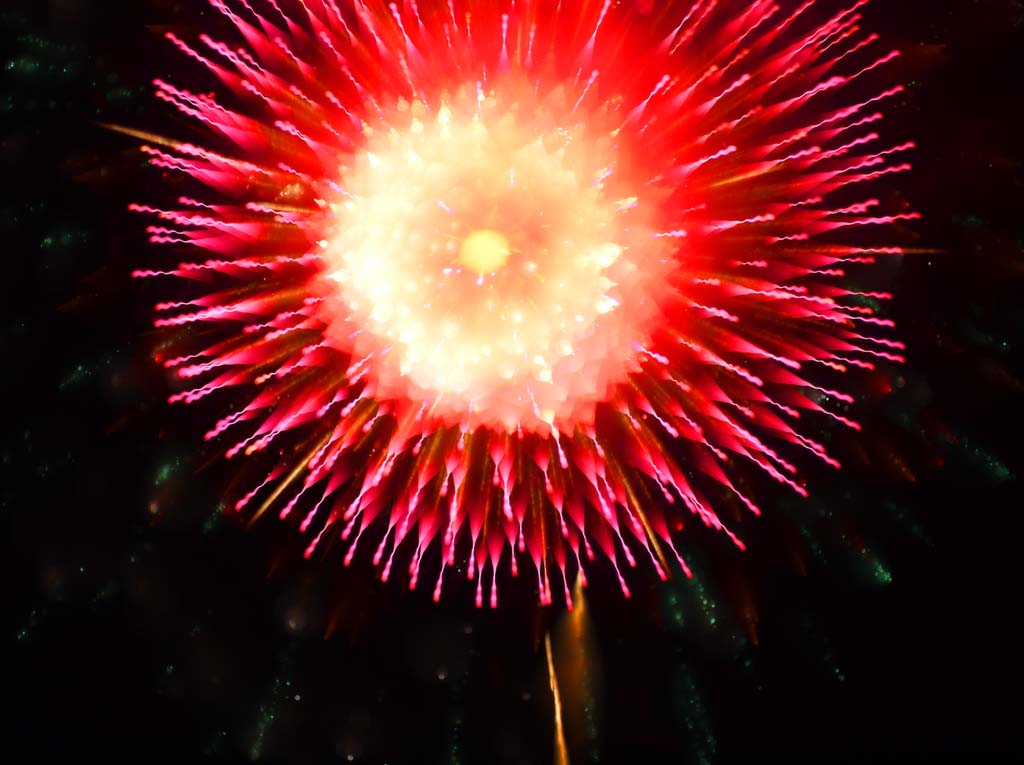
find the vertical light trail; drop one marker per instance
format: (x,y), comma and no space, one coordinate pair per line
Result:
(561,752)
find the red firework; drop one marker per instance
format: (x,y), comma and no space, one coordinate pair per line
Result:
(508,272)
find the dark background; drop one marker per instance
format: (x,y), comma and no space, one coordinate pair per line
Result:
(142,625)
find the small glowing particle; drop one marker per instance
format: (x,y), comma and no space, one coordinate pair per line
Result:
(484,251)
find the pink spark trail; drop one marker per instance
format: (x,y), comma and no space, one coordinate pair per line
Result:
(523,280)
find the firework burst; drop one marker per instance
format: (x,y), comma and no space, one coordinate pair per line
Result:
(524,280)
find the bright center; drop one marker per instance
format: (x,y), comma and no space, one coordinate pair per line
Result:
(435,299)
(484,251)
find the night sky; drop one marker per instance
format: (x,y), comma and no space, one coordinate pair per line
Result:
(876,619)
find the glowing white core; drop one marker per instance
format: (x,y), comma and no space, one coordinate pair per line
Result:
(484,270)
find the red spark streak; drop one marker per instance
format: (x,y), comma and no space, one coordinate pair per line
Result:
(725,119)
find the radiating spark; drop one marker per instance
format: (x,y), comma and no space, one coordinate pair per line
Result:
(142,135)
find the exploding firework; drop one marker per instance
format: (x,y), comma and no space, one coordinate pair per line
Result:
(520,281)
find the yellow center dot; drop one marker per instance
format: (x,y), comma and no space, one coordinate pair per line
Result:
(484,251)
